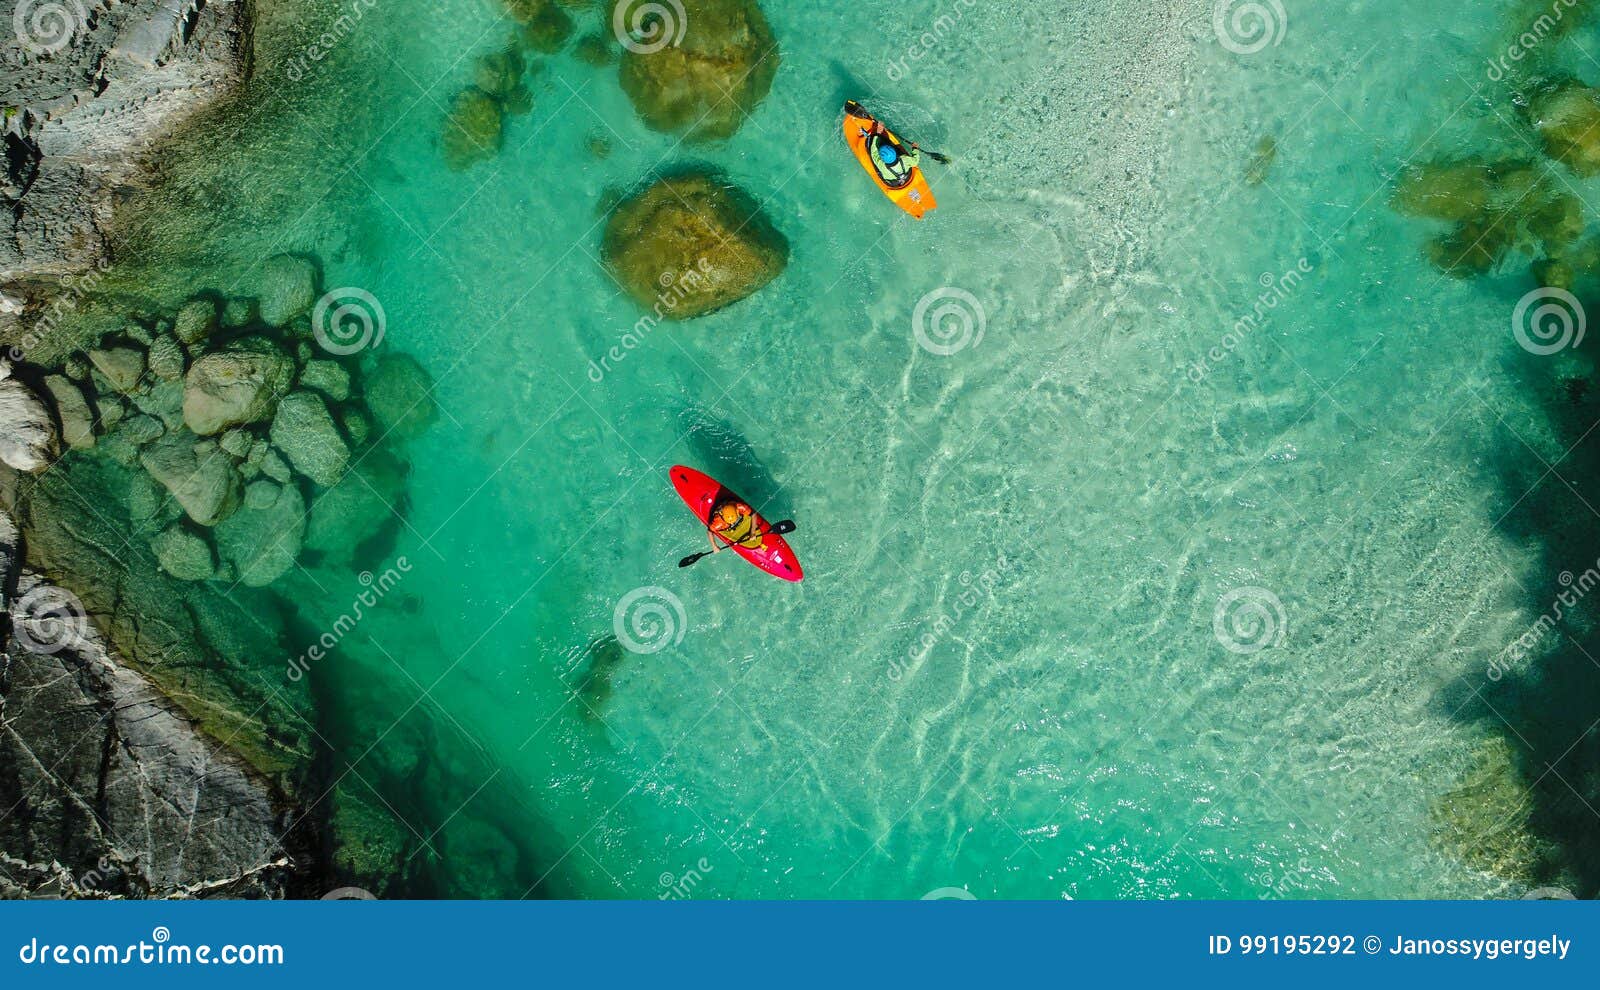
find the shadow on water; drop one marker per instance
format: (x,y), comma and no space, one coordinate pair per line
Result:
(412,805)
(1546,700)
(721,450)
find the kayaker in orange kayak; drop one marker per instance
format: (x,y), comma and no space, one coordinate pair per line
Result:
(735,522)
(895,164)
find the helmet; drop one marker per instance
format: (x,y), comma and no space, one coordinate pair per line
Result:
(887,152)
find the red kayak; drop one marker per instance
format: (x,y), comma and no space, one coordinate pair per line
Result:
(702,493)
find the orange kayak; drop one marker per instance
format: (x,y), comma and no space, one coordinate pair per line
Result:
(913,196)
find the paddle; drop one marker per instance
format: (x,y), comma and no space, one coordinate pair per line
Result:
(857,110)
(778,529)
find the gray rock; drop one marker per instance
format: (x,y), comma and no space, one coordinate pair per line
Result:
(234,387)
(166,359)
(305,433)
(288,288)
(238,312)
(357,509)
(261,495)
(76,367)
(275,467)
(164,402)
(120,793)
(197,320)
(184,555)
(140,430)
(263,539)
(122,366)
(28,439)
(198,475)
(112,409)
(150,506)
(89,115)
(327,377)
(398,396)
(77,421)
(356,425)
(237,443)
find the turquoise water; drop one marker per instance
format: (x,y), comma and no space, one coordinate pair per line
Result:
(1002,672)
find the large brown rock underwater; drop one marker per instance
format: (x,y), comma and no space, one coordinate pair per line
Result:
(691,244)
(702,75)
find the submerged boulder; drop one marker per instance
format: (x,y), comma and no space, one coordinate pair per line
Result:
(262,540)
(358,510)
(399,394)
(473,131)
(327,377)
(704,72)
(196,320)
(166,359)
(183,554)
(198,474)
(545,26)
(1567,116)
(235,387)
(122,367)
(305,433)
(692,244)
(1454,191)
(288,288)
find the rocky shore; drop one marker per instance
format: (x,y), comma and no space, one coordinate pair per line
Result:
(127,765)
(85,100)
(107,789)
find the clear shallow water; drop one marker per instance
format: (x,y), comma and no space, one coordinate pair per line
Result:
(1001,672)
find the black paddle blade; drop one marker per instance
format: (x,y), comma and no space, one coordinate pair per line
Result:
(784,526)
(941,159)
(693,558)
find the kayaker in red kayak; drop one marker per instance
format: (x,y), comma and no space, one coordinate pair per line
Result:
(735,523)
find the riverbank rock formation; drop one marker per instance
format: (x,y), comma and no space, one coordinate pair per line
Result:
(90,88)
